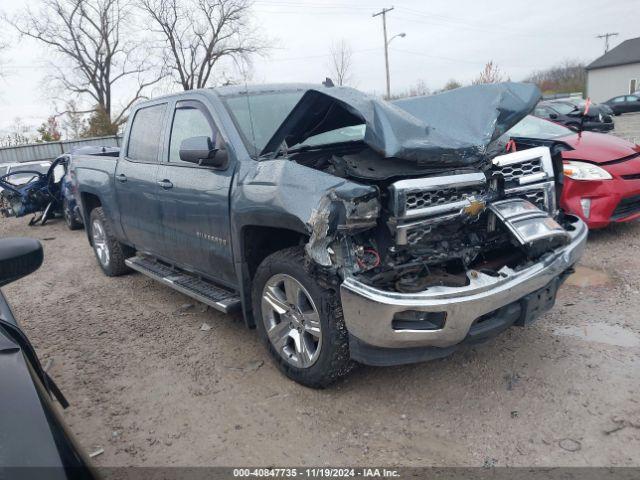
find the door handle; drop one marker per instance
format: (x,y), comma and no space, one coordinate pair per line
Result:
(121,178)
(166,184)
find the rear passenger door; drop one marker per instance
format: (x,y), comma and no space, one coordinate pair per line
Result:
(135,179)
(195,199)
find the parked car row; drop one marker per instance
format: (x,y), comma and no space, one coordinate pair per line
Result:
(571,114)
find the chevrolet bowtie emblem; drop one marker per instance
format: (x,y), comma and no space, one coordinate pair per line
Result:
(474,208)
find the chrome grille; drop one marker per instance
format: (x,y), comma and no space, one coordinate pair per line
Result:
(415,235)
(524,167)
(420,205)
(517,170)
(422,199)
(537,197)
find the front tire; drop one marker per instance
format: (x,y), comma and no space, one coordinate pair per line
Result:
(300,320)
(110,253)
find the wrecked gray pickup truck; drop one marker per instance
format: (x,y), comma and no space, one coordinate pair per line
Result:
(345,228)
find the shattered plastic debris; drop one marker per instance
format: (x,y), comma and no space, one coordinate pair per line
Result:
(94,454)
(336,213)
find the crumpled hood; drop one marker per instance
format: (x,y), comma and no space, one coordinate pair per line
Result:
(449,129)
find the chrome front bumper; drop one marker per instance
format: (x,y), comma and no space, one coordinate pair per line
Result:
(368,311)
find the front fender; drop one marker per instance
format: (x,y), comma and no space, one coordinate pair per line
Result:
(283,194)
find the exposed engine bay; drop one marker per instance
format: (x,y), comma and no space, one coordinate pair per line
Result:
(432,230)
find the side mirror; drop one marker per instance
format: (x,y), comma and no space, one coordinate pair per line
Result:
(200,150)
(553,116)
(18,258)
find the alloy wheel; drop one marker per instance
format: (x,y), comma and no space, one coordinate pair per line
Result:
(100,243)
(291,320)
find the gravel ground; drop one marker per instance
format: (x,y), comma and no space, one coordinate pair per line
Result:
(628,126)
(151,387)
(148,385)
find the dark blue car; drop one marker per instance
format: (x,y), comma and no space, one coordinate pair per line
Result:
(46,194)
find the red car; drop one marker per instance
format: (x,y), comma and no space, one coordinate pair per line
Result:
(601,172)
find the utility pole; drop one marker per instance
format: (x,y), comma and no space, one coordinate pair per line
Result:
(606,39)
(383,12)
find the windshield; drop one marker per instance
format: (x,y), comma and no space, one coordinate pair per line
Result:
(258,116)
(353,133)
(534,127)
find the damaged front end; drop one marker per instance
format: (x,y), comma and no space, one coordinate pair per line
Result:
(437,197)
(433,231)
(337,217)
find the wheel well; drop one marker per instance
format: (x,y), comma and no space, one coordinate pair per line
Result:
(260,242)
(89,202)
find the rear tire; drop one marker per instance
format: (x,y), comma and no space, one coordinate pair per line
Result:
(109,252)
(69,217)
(308,339)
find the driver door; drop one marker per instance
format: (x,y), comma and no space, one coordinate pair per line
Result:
(195,199)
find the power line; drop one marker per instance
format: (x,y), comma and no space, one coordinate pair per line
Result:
(606,39)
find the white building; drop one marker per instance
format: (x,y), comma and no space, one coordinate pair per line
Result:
(617,72)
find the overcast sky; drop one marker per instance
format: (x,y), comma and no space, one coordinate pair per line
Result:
(444,39)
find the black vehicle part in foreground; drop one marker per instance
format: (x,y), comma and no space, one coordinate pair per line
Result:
(34,443)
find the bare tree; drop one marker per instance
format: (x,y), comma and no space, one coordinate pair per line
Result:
(341,62)
(3,48)
(89,36)
(73,123)
(490,74)
(452,84)
(19,134)
(566,77)
(197,34)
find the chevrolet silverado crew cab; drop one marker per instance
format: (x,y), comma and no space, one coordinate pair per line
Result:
(345,228)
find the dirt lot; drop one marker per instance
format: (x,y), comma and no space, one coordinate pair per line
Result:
(151,388)
(148,385)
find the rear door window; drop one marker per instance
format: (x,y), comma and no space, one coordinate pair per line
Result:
(145,134)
